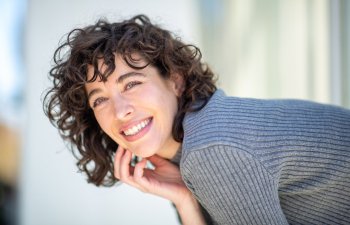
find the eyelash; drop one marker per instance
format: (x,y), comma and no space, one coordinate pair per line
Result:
(131,84)
(128,86)
(98,101)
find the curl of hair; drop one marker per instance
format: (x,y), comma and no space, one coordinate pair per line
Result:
(66,104)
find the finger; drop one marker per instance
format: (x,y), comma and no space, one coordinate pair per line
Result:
(157,160)
(139,178)
(125,170)
(124,166)
(117,157)
(139,169)
(143,177)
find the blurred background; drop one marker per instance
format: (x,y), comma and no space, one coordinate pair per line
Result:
(262,49)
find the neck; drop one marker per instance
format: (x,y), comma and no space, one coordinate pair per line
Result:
(170,151)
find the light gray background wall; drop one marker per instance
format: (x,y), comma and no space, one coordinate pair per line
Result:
(51,190)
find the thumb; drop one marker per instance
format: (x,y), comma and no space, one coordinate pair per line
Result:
(157,160)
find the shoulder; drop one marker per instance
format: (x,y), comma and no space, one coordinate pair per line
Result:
(213,121)
(227,120)
(215,156)
(241,121)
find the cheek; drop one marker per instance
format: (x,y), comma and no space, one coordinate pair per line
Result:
(171,102)
(172,108)
(103,121)
(169,106)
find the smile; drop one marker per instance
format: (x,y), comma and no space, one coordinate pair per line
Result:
(137,128)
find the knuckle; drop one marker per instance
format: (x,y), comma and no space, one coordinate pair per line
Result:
(116,175)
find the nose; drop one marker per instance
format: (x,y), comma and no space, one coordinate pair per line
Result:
(122,107)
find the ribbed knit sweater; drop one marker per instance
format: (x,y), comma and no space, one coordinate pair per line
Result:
(250,161)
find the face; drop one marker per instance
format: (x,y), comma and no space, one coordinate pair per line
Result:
(136,108)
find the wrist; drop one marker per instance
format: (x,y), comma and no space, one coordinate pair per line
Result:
(186,201)
(190,211)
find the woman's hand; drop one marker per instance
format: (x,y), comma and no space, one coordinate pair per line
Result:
(164,181)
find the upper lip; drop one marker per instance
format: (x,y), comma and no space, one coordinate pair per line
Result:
(132,124)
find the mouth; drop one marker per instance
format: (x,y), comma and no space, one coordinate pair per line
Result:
(137,128)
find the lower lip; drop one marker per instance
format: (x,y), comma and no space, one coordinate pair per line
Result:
(140,134)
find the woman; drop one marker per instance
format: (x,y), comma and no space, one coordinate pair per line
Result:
(133,88)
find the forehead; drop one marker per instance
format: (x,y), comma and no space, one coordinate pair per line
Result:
(122,64)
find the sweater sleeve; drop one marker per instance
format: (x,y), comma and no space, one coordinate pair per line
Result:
(233,186)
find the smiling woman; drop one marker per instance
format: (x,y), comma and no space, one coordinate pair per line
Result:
(126,87)
(132,106)
(139,47)
(133,88)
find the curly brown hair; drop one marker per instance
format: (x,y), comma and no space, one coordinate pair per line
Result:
(66,104)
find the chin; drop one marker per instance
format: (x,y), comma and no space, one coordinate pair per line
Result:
(144,154)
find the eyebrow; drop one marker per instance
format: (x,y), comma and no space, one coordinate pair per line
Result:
(127,75)
(120,79)
(93,92)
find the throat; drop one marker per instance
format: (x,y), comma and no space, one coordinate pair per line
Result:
(171,150)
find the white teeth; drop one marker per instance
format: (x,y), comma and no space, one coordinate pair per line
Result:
(137,128)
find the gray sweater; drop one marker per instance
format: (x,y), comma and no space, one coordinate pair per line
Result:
(251,161)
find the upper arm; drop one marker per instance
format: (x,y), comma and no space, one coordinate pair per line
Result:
(233,186)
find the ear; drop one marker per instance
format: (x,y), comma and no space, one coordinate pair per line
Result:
(178,84)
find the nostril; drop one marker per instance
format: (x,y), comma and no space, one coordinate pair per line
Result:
(122,108)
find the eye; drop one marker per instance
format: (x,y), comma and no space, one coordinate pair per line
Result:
(99,101)
(131,84)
